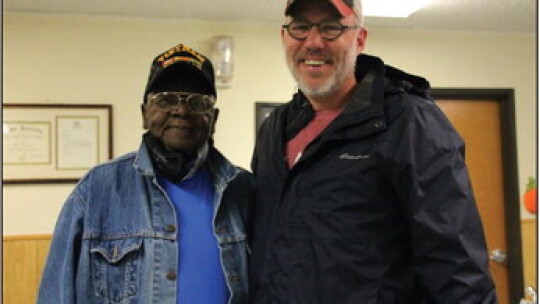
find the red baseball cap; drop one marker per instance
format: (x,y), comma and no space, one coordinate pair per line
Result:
(344,7)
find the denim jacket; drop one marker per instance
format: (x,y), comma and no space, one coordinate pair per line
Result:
(116,240)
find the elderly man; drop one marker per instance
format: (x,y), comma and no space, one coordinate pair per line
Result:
(165,224)
(366,196)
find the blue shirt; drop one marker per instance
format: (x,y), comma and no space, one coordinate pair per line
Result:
(200,274)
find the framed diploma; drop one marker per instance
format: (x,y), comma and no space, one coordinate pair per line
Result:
(54,143)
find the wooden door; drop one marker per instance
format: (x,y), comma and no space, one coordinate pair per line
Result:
(479,123)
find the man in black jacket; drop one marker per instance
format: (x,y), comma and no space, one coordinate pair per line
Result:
(364,196)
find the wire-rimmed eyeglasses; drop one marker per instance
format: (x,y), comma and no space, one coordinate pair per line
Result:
(329,30)
(194,103)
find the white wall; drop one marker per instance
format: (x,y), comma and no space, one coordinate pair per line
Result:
(85,59)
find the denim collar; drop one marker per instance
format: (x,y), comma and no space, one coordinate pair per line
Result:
(142,162)
(221,168)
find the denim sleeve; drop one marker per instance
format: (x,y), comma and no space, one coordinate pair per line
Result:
(59,275)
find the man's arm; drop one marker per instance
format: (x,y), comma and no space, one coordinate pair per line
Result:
(448,244)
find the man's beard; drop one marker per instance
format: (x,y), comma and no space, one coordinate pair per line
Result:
(342,68)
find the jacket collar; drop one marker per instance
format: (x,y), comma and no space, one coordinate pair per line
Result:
(375,83)
(369,91)
(142,162)
(221,168)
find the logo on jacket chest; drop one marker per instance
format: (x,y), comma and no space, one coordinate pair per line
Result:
(350,156)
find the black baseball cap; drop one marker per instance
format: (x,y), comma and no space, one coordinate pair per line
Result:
(180,62)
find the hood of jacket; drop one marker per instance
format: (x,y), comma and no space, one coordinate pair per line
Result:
(393,78)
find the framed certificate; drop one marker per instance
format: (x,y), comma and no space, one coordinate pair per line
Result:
(54,143)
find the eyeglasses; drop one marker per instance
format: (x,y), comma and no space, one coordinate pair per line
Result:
(329,30)
(194,103)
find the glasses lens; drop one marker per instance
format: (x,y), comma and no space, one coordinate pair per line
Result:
(194,103)
(299,29)
(163,99)
(198,103)
(330,30)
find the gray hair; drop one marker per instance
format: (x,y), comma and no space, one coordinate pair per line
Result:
(357,8)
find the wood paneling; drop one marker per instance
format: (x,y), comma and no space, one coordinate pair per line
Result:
(23,261)
(528,234)
(24,258)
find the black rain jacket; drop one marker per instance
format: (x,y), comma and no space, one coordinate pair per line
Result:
(379,209)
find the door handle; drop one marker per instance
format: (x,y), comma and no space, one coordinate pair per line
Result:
(498,255)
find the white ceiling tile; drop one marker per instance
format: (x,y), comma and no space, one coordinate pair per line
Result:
(467,15)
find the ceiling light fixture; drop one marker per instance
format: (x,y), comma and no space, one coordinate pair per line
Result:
(392,8)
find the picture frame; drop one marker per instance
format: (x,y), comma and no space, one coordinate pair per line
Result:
(54,143)
(262,111)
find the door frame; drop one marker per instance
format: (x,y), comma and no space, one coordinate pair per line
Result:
(510,176)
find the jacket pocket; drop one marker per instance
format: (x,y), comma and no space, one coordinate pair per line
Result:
(115,266)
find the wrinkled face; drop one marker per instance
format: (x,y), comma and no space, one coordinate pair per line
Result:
(321,67)
(177,128)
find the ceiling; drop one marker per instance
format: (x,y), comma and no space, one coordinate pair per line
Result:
(454,15)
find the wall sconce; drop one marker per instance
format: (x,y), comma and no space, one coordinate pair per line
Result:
(222,58)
